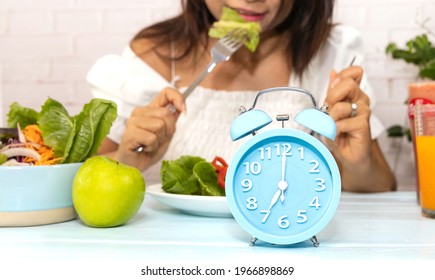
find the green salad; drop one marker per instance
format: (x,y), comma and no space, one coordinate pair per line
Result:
(190,175)
(72,138)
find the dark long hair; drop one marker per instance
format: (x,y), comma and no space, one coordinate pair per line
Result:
(308,26)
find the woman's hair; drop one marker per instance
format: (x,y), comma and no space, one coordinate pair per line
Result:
(308,25)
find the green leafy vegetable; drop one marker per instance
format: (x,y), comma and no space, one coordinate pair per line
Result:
(22,115)
(177,176)
(190,175)
(92,125)
(57,127)
(230,21)
(73,138)
(208,179)
(419,52)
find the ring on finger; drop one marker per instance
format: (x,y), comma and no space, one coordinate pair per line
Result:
(353,108)
(139,149)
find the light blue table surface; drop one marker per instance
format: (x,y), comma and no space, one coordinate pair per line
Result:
(386,226)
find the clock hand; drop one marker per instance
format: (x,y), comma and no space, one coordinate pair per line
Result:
(274,199)
(283,163)
(282,185)
(272,202)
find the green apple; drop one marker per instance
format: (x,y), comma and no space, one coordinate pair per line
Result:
(107,193)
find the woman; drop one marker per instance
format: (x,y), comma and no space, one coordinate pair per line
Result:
(299,46)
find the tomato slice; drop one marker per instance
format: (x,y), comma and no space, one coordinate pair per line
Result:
(221,167)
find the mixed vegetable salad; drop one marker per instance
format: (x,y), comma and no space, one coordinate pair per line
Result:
(52,136)
(193,175)
(27,149)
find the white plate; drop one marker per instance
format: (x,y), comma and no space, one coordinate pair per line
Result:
(211,206)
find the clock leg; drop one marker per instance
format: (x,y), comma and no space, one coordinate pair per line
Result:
(252,241)
(315,241)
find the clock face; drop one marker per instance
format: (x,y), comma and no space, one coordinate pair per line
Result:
(283,186)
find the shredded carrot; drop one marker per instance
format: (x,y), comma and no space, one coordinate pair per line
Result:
(33,134)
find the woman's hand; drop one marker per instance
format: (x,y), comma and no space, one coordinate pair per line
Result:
(353,141)
(361,162)
(151,127)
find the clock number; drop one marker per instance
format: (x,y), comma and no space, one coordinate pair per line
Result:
(283,222)
(254,167)
(247,185)
(267,212)
(315,203)
(251,203)
(320,185)
(278,149)
(301,152)
(315,168)
(302,218)
(265,153)
(286,149)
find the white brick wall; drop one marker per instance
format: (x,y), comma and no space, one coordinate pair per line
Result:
(380,22)
(47,46)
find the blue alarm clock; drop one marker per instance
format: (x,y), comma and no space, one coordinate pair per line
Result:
(283,185)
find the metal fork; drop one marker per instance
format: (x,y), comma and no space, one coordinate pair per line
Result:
(221,51)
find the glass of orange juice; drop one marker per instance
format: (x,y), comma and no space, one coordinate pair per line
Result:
(424,121)
(424,91)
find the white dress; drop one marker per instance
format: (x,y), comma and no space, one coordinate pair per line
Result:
(204,129)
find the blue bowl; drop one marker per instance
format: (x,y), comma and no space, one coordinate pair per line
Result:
(36,195)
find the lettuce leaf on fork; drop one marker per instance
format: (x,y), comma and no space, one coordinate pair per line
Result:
(230,21)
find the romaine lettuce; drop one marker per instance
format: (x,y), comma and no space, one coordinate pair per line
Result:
(57,127)
(21,115)
(207,178)
(91,126)
(230,21)
(190,175)
(73,138)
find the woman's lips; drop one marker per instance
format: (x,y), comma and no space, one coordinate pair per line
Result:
(251,16)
